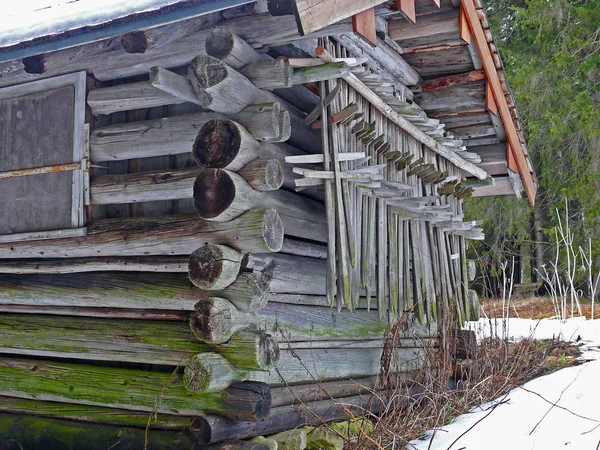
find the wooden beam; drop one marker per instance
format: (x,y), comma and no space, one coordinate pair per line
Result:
(465,34)
(452,80)
(363,24)
(408,9)
(313,15)
(490,102)
(510,158)
(468,6)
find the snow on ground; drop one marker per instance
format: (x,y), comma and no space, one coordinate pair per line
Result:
(523,420)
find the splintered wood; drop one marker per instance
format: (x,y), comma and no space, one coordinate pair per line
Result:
(396,233)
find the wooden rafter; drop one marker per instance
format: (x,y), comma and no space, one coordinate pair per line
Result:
(363,24)
(408,8)
(489,66)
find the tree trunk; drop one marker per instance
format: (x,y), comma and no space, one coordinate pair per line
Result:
(127,389)
(258,230)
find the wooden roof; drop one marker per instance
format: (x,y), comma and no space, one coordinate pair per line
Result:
(465,87)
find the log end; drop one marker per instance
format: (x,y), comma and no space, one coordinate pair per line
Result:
(34,65)
(214,192)
(135,42)
(273,230)
(211,320)
(248,400)
(263,174)
(268,351)
(207,372)
(219,43)
(213,267)
(208,71)
(217,144)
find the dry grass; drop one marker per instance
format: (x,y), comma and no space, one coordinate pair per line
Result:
(530,308)
(446,388)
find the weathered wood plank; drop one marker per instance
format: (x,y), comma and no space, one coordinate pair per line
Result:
(259,230)
(126,389)
(132,341)
(314,15)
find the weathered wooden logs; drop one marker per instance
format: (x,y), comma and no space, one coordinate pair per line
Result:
(227,91)
(121,295)
(176,134)
(216,319)
(254,118)
(257,230)
(210,372)
(220,195)
(292,274)
(263,174)
(92,414)
(26,432)
(210,429)
(128,96)
(173,84)
(214,267)
(229,48)
(140,341)
(174,184)
(127,389)
(125,264)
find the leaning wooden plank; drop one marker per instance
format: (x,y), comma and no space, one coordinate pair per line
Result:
(41,432)
(384,56)
(411,129)
(259,231)
(136,341)
(119,295)
(316,159)
(92,414)
(137,390)
(221,195)
(217,319)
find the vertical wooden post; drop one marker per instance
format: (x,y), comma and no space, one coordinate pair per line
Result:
(363,24)
(408,8)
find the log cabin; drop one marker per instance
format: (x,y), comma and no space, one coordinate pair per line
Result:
(249,196)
